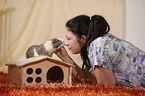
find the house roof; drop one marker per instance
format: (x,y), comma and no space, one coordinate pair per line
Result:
(24,61)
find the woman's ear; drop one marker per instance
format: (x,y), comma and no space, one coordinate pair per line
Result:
(83,38)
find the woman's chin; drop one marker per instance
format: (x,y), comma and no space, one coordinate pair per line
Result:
(75,52)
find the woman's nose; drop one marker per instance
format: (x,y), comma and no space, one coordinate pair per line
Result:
(66,43)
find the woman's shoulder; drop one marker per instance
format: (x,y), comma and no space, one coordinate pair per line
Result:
(102,39)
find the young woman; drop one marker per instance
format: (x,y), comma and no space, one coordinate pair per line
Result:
(111,60)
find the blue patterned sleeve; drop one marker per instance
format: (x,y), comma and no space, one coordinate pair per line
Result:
(94,53)
(98,53)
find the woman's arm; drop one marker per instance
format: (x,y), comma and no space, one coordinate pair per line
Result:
(77,72)
(104,76)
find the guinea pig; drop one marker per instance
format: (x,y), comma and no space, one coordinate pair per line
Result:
(45,49)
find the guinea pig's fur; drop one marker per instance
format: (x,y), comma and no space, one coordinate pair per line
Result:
(45,49)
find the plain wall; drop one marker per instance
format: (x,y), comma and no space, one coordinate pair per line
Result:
(135,22)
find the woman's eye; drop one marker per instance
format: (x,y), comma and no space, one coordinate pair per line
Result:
(68,38)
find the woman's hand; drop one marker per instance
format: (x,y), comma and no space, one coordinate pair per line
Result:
(62,53)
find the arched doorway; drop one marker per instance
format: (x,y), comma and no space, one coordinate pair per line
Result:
(55,74)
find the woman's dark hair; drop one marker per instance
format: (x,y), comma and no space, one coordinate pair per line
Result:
(92,27)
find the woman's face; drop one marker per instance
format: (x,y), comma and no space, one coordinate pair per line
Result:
(73,43)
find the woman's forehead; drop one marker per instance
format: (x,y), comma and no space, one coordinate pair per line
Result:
(69,33)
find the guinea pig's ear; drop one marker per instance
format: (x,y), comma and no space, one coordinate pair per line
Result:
(53,39)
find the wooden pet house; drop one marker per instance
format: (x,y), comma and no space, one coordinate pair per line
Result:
(39,70)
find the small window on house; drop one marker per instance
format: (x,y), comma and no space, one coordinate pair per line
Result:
(38,71)
(38,79)
(29,71)
(29,79)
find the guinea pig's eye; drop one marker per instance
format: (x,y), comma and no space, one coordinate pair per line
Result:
(57,44)
(56,40)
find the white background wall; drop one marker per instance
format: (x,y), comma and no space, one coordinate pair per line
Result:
(135,22)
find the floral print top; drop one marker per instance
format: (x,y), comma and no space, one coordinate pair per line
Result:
(126,61)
